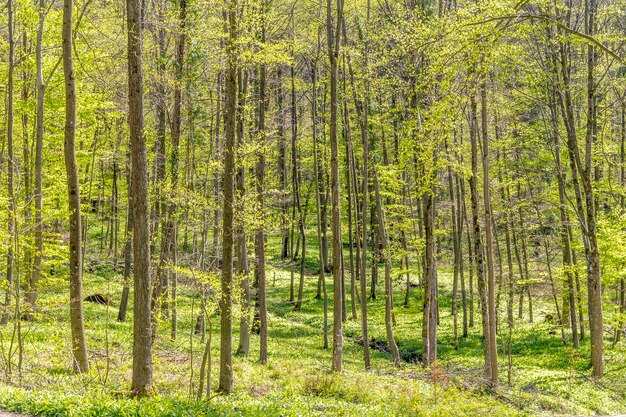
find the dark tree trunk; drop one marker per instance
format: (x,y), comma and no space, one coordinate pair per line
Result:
(142,332)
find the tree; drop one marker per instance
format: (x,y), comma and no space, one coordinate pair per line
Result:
(79,346)
(228,183)
(333,35)
(259,243)
(142,283)
(490,335)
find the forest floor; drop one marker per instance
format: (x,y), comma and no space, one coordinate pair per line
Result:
(546,378)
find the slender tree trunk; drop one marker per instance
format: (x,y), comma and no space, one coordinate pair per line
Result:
(33,286)
(456,258)
(333,53)
(11,166)
(460,220)
(350,228)
(259,244)
(241,252)
(622,292)
(318,204)
(282,167)
(363,113)
(491,285)
(583,174)
(594,282)
(297,189)
(176,133)
(226,344)
(478,244)
(128,247)
(429,329)
(142,332)
(565,223)
(395,354)
(79,347)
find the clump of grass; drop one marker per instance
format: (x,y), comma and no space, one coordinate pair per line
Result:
(321,385)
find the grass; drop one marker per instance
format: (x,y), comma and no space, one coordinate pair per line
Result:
(546,377)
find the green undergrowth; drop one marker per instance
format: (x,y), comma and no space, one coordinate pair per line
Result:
(545,377)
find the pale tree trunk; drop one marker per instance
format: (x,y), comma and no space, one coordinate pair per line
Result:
(142,332)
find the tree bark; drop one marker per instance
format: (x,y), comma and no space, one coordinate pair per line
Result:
(226,344)
(333,54)
(142,332)
(259,243)
(79,347)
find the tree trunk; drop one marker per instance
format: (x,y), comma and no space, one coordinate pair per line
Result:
(11,167)
(594,282)
(478,244)
(142,332)
(318,205)
(33,285)
(333,53)
(395,354)
(491,285)
(128,244)
(429,329)
(259,243)
(226,324)
(79,347)
(457,255)
(241,253)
